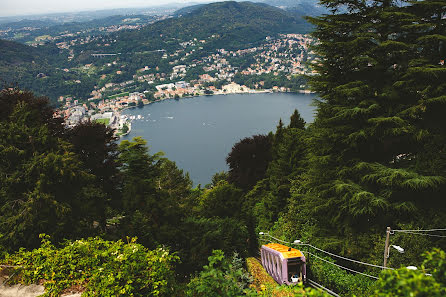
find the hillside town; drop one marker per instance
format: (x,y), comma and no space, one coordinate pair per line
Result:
(191,75)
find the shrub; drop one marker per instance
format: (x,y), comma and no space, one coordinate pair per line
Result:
(99,267)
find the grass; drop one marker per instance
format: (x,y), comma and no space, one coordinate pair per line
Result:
(260,277)
(103,121)
(119,95)
(42,37)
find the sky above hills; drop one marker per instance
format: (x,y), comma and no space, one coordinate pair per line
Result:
(27,7)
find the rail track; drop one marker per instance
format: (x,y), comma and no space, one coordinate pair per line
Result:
(319,286)
(309,282)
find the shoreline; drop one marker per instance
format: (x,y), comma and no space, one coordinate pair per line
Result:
(264,91)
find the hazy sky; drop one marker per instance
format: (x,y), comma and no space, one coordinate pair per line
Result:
(24,7)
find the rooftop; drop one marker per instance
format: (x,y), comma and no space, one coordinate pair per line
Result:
(286,251)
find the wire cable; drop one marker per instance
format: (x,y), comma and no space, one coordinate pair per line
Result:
(423,234)
(421,230)
(348,259)
(351,270)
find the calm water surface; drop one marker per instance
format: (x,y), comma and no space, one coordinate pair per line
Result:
(198,133)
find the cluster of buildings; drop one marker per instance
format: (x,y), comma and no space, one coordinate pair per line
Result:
(211,74)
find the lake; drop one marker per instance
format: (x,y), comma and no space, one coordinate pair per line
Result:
(198,133)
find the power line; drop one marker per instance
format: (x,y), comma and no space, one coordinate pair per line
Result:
(351,270)
(421,230)
(331,254)
(348,259)
(423,234)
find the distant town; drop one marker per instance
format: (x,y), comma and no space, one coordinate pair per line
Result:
(285,56)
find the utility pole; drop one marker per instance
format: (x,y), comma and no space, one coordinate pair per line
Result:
(386,247)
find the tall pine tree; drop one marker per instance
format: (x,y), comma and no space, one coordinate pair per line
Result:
(377,152)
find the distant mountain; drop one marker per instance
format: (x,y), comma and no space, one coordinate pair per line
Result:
(296,8)
(307,9)
(53,29)
(289,3)
(187,9)
(27,23)
(235,25)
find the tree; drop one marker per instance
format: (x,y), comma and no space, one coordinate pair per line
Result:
(140,200)
(95,144)
(296,121)
(154,194)
(45,187)
(375,151)
(219,177)
(248,161)
(223,200)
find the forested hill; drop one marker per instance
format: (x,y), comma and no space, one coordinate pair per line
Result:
(230,25)
(15,53)
(39,69)
(233,24)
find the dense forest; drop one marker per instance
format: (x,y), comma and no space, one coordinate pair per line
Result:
(119,220)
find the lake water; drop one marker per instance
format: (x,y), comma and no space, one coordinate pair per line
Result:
(198,133)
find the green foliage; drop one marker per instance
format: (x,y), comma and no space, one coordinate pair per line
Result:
(291,291)
(125,129)
(405,282)
(218,278)
(339,280)
(248,160)
(95,144)
(296,121)
(269,197)
(45,186)
(153,193)
(200,236)
(435,264)
(102,268)
(219,177)
(226,196)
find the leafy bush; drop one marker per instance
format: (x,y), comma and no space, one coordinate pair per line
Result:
(101,268)
(219,278)
(416,283)
(340,281)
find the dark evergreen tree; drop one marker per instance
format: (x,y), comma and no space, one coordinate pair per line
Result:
(95,144)
(296,121)
(44,185)
(155,195)
(377,152)
(248,161)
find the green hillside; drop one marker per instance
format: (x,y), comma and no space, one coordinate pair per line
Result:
(238,24)
(234,25)
(40,70)
(229,25)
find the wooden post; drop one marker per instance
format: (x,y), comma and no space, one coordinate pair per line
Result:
(386,247)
